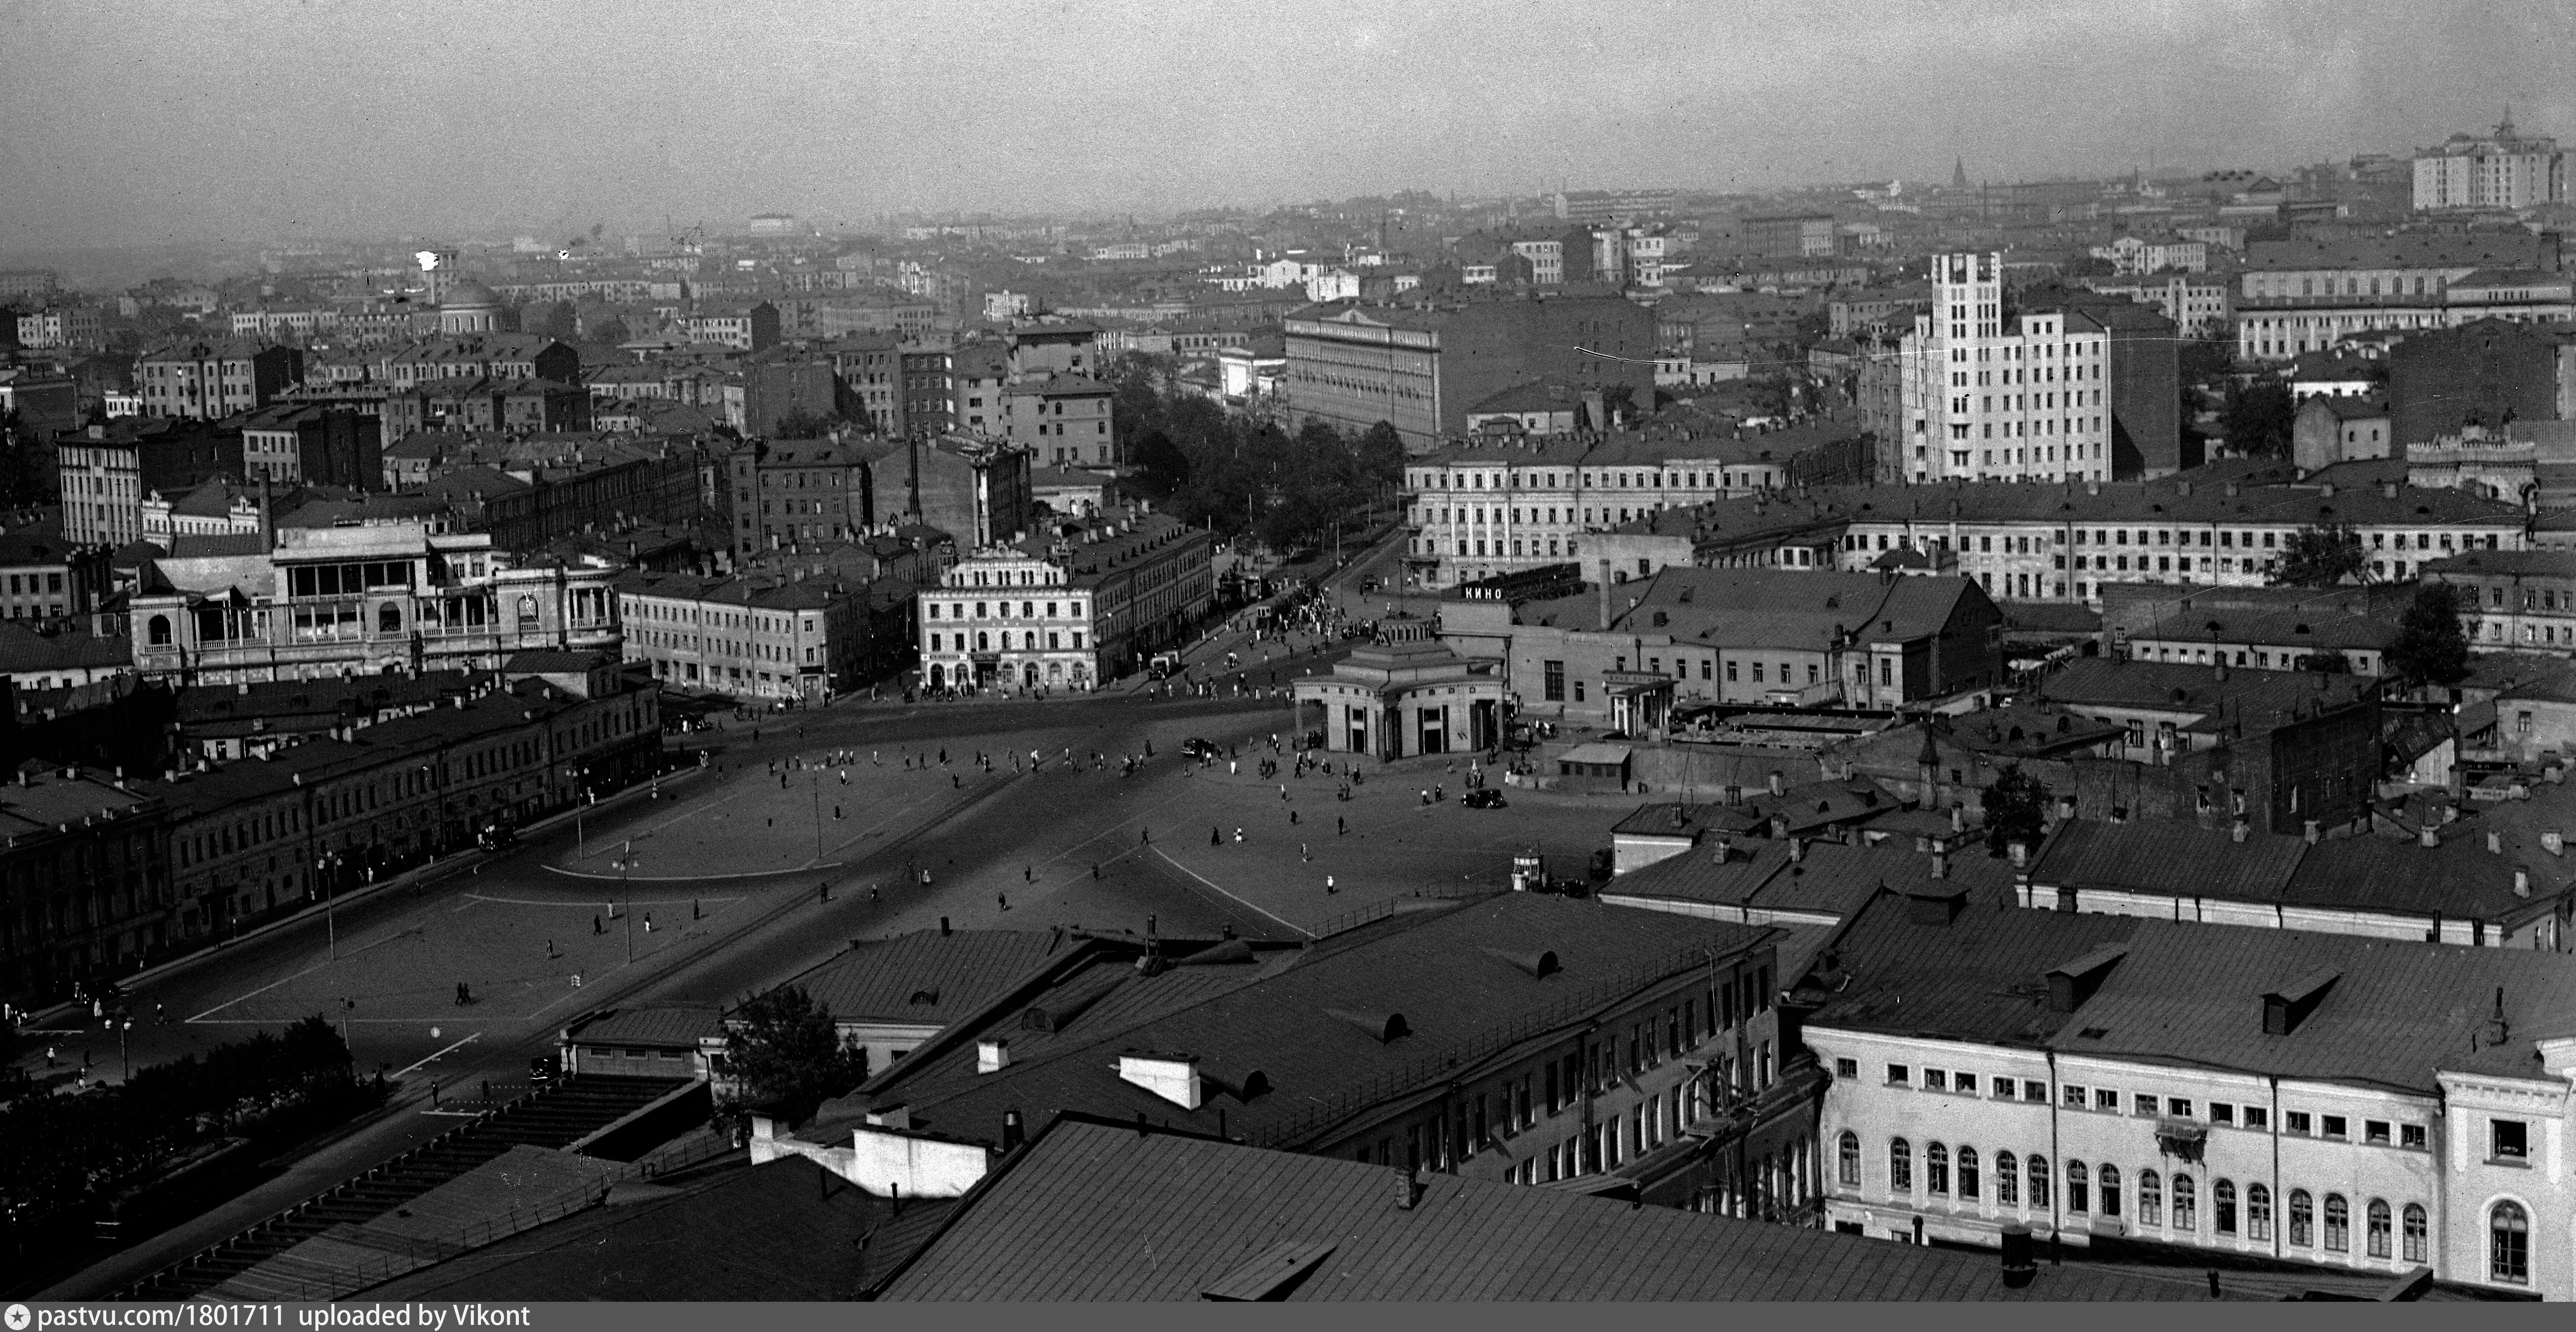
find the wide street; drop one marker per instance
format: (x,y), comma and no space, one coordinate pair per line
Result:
(805,830)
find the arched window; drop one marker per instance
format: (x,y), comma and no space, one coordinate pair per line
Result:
(2380,1227)
(2108,1181)
(158,632)
(1847,1153)
(2078,1199)
(2222,1198)
(2303,1218)
(2509,1244)
(1967,1172)
(1936,1168)
(2338,1224)
(1900,1167)
(2151,1199)
(2258,1213)
(2035,1168)
(2007,1185)
(938,676)
(389,618)
(2186,1204)
(983,642)
(2417,1233)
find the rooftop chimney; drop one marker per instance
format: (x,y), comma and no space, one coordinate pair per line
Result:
(2236,833)
(1408,1190)
(1777,785)
(2522,882)
(992,1056)
(943,927)
(1013,1134)
(1797,848)
(2312,832)
(1175,1078)
(2021,855)
(1940,865)
(2426,837)
(2495,842)
(2554,842)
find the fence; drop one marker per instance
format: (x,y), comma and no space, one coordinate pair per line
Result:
(1385,907)
(1428,1069)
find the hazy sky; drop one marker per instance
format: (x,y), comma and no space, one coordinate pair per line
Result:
(208,119)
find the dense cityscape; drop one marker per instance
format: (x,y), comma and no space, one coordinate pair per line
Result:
(1993,736)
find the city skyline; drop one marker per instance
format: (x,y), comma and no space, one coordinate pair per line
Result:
(334,122)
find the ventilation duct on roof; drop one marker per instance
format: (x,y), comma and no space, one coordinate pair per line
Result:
(1381,1027)
(1537,963)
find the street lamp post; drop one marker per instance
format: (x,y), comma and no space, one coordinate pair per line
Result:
(626,889)
(327,868)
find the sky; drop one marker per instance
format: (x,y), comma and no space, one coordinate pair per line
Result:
(194,121)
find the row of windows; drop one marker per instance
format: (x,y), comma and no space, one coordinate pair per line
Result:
(2149,1105)
(1028,642)
(1424,481)
(1028,610)
(2387,1232)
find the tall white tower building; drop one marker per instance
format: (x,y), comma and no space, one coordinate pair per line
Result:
(1987,397)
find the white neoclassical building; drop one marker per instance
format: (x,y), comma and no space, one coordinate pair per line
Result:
(2353,1104)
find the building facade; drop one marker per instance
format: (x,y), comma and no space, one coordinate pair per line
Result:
(1070,609)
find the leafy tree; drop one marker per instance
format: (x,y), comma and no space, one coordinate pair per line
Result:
(784,1049)
(553,319)
(2321,557)
(2431,647)
(2258,417)
(2016,808)
(607,328)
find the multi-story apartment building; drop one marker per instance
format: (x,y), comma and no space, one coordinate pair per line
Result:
(1988,400)
(2499,170)
(509,356)
(1066,611)
(2131,256)
(107,471)
(295,444)
(2514,601)
(976,490)
(59,326)
(84,880)
(47,578)
(2262,1093)
(1478,510)
(804,490)
(2299,296)
(1422,369)
(1666,1074)
(1062,418)
(1546,260)
(252,840)
(758,636)
(2199,306)
(751,328)
(2064,543)
(977,374)
(214,379)
(339,601)
(1687,636)
(923,403)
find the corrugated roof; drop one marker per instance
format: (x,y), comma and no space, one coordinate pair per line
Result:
(2396,1011)
(1093,1212)
(1438,968)
(926,976)
(2164,857)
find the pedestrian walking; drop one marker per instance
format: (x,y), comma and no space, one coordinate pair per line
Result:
(1216,837)
(1004,899)
(1340,825)
(1292,817)
(1238,836)
(1303,853)
(1329,889)
(1028,874)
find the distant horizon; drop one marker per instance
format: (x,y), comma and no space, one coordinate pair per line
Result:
(305,122)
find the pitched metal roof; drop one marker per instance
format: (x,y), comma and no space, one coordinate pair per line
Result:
(1095,1212)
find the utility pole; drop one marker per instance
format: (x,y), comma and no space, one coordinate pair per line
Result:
(818,817)
(626,889)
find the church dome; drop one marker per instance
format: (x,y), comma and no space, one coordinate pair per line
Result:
(468,295)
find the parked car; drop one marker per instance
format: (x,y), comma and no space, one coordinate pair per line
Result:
(1197,748)
(496,837)
(544,1069)
(1487,798)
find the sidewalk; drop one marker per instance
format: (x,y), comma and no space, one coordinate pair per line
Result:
(418,875)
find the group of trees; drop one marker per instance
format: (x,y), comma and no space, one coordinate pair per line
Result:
(1242,475)
(2432,643)
(62,1154)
